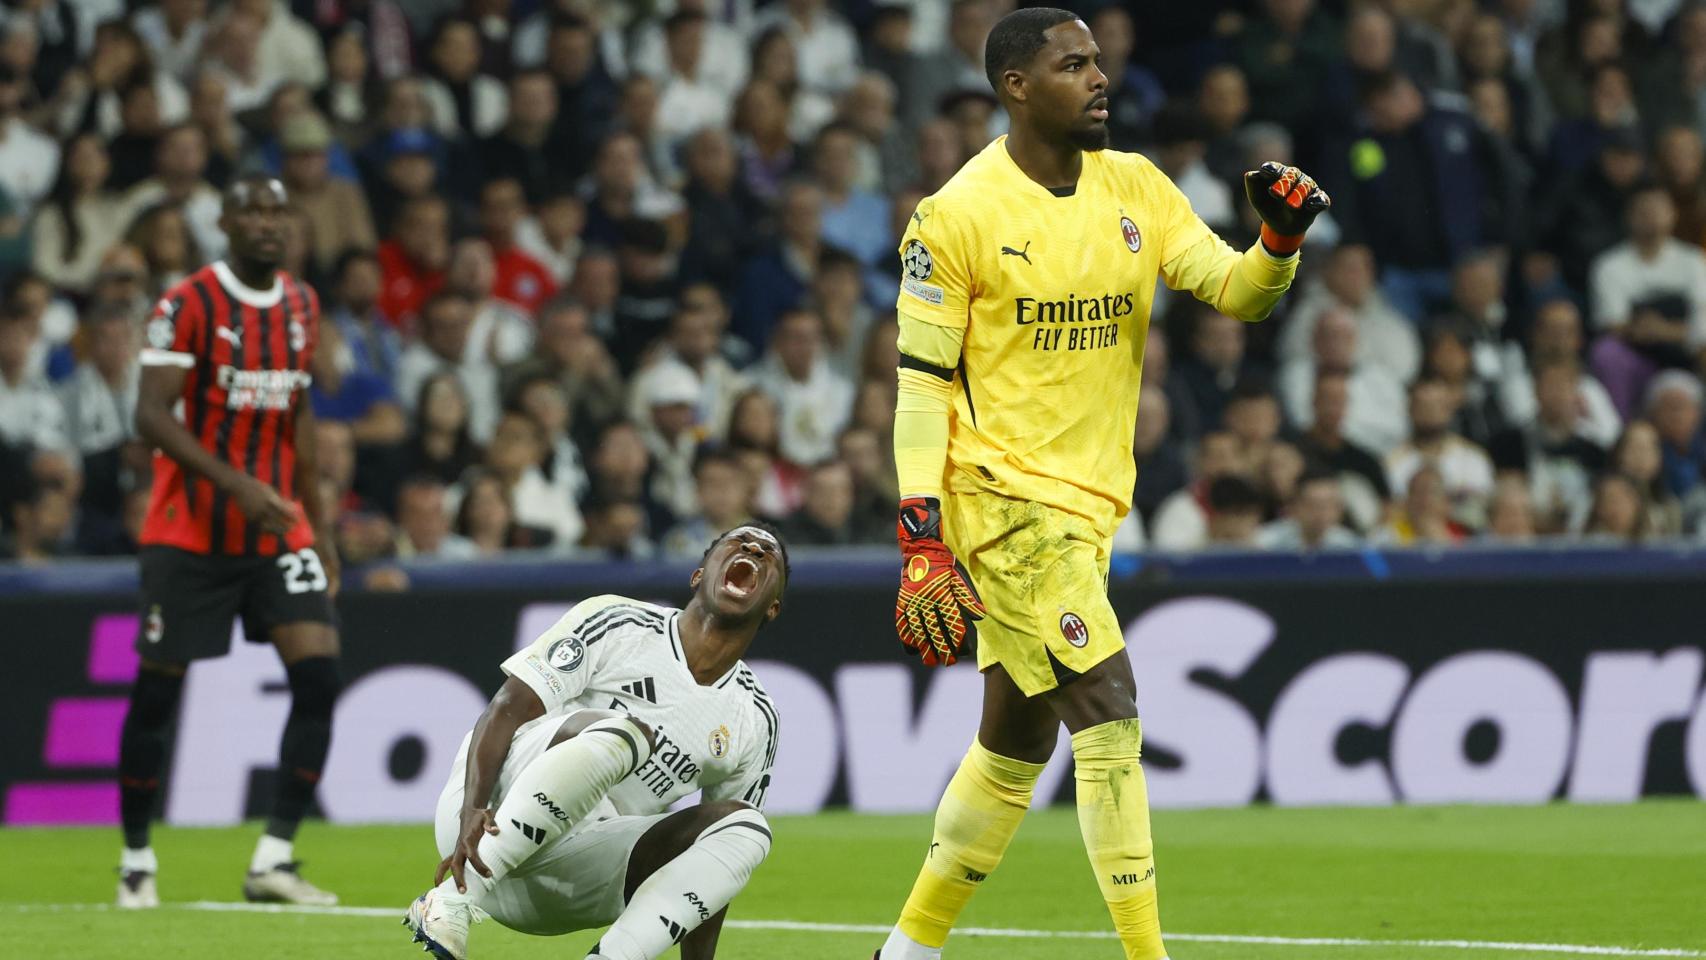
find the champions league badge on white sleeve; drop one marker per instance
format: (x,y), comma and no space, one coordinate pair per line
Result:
(917,263)
(566,654)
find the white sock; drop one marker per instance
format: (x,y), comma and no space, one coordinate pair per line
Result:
(270,851)
(131,861)
(690,889)
(899,946)
(552,794)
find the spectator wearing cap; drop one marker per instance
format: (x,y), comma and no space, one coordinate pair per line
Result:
(406,164)
(723,494)
(1314,518)
(521,279)
(28,157)
(445,343)
(813,401)
(1673,404)
(670,393)
(531,147)
(30,412)
(1182,520)
(1463,467)
(1347,282)
(336,207)
(412,261)
(1649,300)
(852,218)
(1559,462)
(1555,334)
(825,517)
(1180,144)
(80,220)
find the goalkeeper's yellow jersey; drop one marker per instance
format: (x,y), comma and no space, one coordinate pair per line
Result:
(1053,293)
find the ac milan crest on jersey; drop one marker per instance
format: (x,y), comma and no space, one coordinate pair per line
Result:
(1073,629)
(1133,239)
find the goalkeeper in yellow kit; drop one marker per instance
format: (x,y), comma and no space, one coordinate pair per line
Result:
(1024,305)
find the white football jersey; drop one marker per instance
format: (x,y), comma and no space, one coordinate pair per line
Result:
(613,653)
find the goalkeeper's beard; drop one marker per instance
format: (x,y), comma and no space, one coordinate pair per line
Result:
(1089,138)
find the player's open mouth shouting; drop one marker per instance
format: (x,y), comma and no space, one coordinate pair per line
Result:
(750,561)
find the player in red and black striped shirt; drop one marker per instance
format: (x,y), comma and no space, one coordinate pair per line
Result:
(233,526)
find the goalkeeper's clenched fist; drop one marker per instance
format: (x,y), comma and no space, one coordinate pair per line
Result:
(1287,200)
(935,597)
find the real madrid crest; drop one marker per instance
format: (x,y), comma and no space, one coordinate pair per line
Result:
(721,740)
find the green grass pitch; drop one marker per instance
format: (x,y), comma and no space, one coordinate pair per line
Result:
(1630,877)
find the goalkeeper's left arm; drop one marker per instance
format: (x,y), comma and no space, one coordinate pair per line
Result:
(1247,286)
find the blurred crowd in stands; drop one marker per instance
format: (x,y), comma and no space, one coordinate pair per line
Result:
(601,278)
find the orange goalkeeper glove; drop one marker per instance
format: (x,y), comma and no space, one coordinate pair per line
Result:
(935,596)
(1287,200)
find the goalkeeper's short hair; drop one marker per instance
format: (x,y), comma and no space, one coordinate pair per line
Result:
(1014,41)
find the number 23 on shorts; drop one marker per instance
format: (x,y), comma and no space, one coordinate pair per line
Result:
(303,572)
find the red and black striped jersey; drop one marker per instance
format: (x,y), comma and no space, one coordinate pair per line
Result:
(247,353)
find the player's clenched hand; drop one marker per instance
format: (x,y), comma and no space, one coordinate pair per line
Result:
(476,823)
(1288,201)
(264,506)
(936,597)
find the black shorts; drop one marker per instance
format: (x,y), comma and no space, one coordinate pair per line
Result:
(189,600)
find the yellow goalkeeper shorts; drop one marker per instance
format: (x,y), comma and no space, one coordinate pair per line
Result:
(1043,575)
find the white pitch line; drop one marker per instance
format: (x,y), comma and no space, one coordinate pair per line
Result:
(1574,949)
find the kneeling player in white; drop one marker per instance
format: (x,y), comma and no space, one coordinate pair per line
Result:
(558,797)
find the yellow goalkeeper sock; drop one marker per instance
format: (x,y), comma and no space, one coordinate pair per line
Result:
(1113,813)
(978,815)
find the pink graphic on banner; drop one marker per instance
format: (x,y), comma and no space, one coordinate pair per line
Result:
(112,648)
(84,731)
(61,804)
